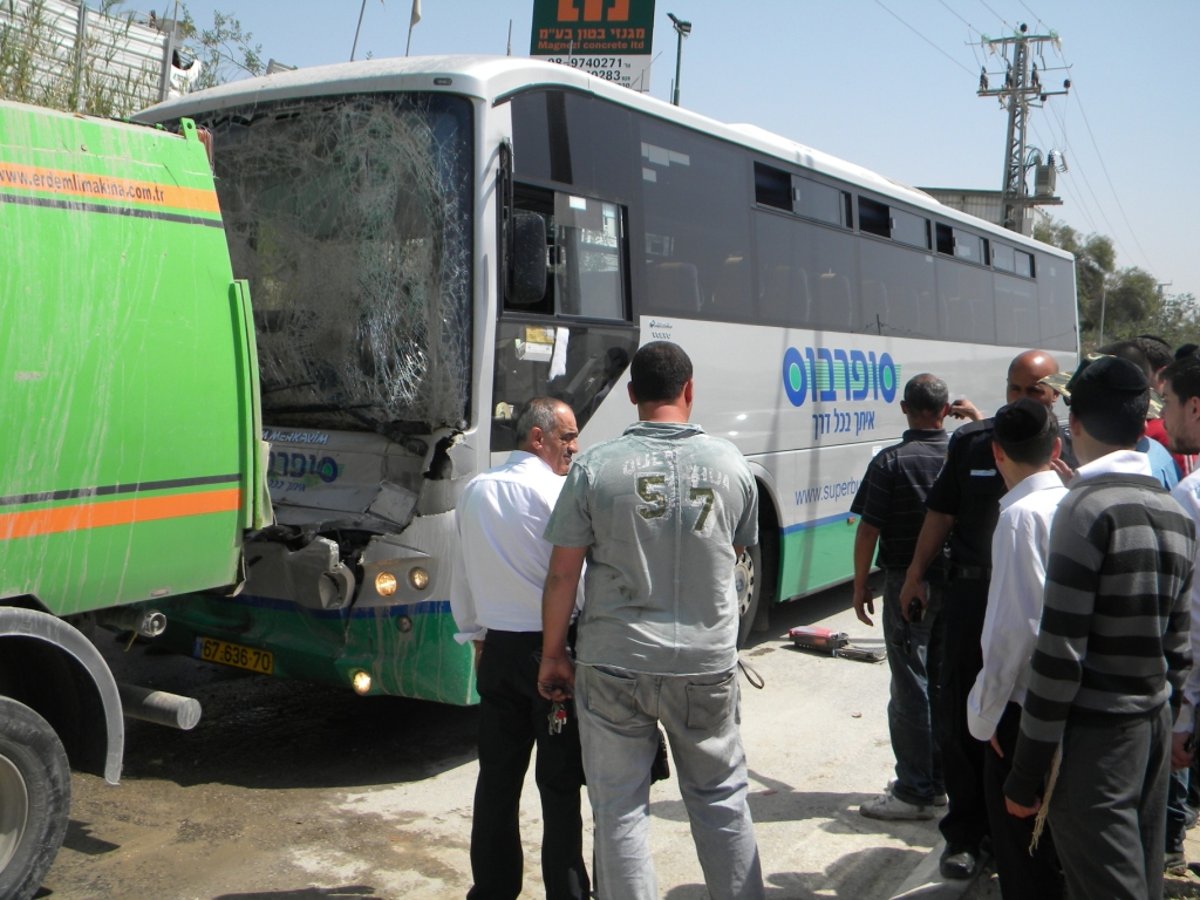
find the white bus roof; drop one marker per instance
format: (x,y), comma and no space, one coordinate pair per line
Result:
(491,78)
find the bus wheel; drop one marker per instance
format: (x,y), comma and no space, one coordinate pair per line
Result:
(745,578)
(35,798)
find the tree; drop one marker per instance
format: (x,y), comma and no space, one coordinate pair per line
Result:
(1177,320)
(1132,301)
(1095,262)
(1126,302)
(225,50)
(41,64)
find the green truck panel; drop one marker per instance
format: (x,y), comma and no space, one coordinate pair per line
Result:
(131,468)
(130,458)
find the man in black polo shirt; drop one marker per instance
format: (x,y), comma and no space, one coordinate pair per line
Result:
(963,506)
(891,502)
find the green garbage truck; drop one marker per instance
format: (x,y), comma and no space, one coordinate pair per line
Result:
(130,466)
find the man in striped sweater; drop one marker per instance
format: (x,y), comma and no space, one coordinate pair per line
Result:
(1112,652)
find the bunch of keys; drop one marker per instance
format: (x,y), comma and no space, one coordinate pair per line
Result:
(557,717)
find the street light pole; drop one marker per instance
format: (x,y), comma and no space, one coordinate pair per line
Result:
(682,30)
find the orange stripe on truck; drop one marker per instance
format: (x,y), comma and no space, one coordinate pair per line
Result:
(80,517)
(105,188)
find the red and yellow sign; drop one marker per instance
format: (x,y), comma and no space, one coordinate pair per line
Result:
(610,39)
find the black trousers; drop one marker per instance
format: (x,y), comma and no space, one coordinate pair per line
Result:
(964,604)
(1108,810)
(512,718)
(1022,875)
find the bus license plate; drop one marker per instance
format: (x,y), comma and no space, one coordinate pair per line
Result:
(227,654)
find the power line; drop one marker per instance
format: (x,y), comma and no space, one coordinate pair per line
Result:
(1021,89)
(1077,168)
(1036,17)
(1077,197)
(1003,20)
(1111,187)
(1112,232)
(1103,166)
(954,13)
(925,39)
(1069,188)
(971,42)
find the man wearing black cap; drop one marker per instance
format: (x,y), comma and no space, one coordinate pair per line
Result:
(1111,652)
(963,506)
(1025,443)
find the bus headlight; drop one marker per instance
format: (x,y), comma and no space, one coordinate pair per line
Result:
(386,584)
(361,682)
(418,578)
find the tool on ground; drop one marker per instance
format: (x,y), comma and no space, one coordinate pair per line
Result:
(835,643)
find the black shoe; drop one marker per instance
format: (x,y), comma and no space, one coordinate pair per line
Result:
(958,861)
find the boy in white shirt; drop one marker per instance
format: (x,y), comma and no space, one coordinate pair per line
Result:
(1025,443)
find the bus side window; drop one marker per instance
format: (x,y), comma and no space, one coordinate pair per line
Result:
(591,244)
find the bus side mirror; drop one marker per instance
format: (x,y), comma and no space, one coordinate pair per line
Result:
(528,259)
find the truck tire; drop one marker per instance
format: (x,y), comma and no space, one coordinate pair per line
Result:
(35,798)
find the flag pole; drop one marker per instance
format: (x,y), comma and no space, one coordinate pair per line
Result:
(412,20)
(362,9)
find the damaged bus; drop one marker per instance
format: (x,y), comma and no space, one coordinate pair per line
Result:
(431,242)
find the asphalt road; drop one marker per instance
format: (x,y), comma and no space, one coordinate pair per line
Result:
(288,790)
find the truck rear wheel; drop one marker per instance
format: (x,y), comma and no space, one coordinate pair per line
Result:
(35,798)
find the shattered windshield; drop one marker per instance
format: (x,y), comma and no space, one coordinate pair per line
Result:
(351,217)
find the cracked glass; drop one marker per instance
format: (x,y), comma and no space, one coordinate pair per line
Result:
(351,217)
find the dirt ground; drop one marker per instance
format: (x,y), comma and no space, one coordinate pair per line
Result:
(288,790)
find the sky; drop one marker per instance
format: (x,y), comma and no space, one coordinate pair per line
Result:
(887,84)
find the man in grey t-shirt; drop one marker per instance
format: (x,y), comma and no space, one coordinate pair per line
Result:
(661,515)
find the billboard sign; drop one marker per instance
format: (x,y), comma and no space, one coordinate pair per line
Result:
(610,39)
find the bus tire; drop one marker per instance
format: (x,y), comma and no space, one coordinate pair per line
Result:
(35,798)
(747,571)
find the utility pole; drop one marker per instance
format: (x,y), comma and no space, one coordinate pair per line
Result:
(1022,88)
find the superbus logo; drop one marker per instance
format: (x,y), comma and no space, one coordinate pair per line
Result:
(819,373)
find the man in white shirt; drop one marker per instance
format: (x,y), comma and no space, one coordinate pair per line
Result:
(1025,443)
(496,598)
